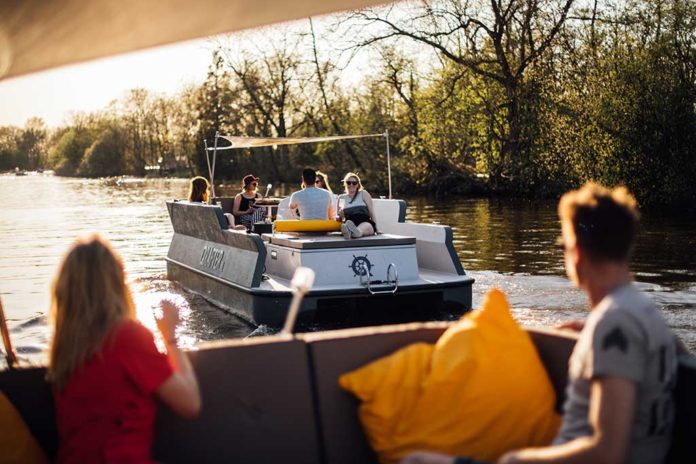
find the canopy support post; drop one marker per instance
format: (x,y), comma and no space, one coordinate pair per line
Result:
(386,136)
(211,170)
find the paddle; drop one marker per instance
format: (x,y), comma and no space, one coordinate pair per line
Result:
(9,352)
(301,283)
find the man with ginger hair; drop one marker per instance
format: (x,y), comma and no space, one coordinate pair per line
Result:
(622,372)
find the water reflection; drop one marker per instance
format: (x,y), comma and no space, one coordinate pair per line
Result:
(507,244)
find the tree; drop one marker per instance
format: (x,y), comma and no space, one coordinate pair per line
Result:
(106,156)
(496,40)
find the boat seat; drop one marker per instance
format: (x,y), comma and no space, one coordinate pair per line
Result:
(257,406)
(226,203)
(272,399)
(319,241)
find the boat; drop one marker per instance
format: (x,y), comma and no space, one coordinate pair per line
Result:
(277,398)
(265,399)
(390,276)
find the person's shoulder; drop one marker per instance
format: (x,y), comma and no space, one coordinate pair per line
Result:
(131,333)
(366,194)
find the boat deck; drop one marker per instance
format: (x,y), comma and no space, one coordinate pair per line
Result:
(321,241)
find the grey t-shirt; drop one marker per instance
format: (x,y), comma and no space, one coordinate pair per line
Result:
(625,336)
(312,202)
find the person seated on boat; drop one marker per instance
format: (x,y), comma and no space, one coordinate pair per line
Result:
(311,202)
(619,405)
(106,371)
(199,189)
(322,182)
(355,208)
(243,207)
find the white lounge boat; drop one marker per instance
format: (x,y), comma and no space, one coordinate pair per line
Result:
(408,269)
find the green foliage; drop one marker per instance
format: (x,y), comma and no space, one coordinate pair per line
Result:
(67,155)
(529,102)
(9,152)
(105,157)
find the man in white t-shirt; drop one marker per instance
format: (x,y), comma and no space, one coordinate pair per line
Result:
(311,202)
(621,375)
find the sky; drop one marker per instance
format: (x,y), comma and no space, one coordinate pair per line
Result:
(91,86)
(87,87)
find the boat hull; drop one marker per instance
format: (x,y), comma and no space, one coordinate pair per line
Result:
(269,307)
(373,280)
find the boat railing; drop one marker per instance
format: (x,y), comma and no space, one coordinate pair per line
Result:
(392,285)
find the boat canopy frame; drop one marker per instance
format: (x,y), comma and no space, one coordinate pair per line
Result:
(257,142)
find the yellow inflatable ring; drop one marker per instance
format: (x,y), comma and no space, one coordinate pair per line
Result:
(309,225)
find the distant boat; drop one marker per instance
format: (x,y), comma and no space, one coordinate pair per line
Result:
(20,172)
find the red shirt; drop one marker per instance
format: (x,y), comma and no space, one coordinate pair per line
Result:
(106,411)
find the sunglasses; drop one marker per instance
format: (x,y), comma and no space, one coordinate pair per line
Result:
(351,182)
(318,181)
(254,184)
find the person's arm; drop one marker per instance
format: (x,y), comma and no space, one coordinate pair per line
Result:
(180,391)
(293,206)
(574,325)
(330,211)
(370,208)
(612,406)
(235,205)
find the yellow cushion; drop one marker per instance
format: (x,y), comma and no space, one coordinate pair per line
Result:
(17,444)
(480,391)
(309,225)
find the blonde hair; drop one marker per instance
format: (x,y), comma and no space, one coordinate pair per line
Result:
(89,298)
(348,176)
(325,179)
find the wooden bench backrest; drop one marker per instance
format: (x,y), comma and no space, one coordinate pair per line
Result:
(273,399)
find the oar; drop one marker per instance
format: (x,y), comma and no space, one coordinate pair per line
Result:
(9,352)
(302,282)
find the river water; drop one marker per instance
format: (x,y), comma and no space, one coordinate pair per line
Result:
(501,243)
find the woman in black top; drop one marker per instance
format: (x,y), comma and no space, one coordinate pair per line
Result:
(243,208)
(356,209)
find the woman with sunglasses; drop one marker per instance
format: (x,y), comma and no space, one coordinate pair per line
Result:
(322,182)
(355,206)
(243,209)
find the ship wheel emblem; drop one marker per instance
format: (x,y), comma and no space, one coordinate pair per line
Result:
(359,264)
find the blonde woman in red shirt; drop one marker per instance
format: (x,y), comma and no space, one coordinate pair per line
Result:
(105,368)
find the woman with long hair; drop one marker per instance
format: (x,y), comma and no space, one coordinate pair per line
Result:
(243,207)
(198,190)
(355,207)
(104,366)
(322,181)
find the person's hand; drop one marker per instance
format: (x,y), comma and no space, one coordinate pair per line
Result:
(427,457)
(508,458)
(167,320)
(341,214)
(574,325)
